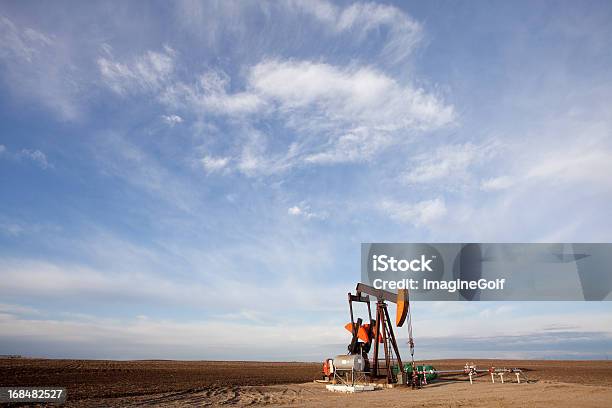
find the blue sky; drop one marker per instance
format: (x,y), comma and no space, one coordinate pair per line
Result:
(186,180)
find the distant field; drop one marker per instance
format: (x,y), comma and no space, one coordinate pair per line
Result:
(575,372)
(174,383)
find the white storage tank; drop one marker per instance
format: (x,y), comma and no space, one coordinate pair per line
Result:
(349,362)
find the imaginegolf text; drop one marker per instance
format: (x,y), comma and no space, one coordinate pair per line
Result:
(450,286)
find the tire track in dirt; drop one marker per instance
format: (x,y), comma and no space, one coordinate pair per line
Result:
(209,383)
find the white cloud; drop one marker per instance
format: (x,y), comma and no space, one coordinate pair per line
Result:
(254,160)
(138,337)
(132,278)
(501,321)
(304,210)
(172,119)
(319,9)
(36,156)
(336,114)
(18,309)
(153,73)
(295,210)
(545,187)
(449,165)
(209,95)
(23,43)
(214,164)
(421,213)
(357,145)
(40,67)
(497,183)
(582,162)
(585,161)
(136,276)
(347,96)
(340,114)
(361,19)
(392,33)
(11,228)
(18,228)
(118,156)
(405,32)
(147,72)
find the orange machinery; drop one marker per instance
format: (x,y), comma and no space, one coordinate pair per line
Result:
(380,328)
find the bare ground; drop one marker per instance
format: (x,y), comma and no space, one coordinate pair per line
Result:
(206,383)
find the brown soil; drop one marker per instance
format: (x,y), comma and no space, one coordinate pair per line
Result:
(575,372)
(179,383)
(102,378)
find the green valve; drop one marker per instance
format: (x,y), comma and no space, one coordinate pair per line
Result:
(426,368)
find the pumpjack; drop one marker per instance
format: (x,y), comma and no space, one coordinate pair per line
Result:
(380,330)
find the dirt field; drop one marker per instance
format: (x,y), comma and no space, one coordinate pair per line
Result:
(204,383)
